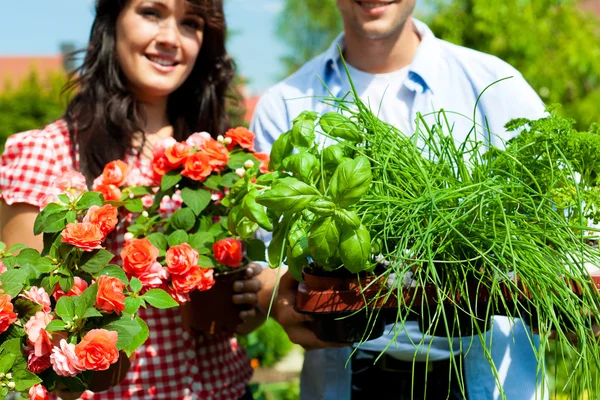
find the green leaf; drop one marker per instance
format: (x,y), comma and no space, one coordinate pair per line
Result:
(87,300)
(303,129)
(55,325)
(350,181)
(274,250)
(282,148)
(302,165)
(355,248)
(24,380)
(255,250)
(6,362)
(323,240)
(337,125)
(12,346)
(238,159)
(169,180)
(322,207)
(13,281)
(135,284)
(196,199)
(235,215)
(93,262)
(65,308)
(177,237)
(14,248)
(213,182)
(44,266)
(55,222)
(132,304)
(256,212)
(28,256)
(201,239)
(66,283)
(229,179)
(347,218)
(138,339)
(40,220)
(158,239)
(246,228)
(89,199)
(126,328)
(134,205)
(295,266)
(115,271)
(183,219)
(205,262)
(290,196)
(159,298)
(91,313)
(140,190)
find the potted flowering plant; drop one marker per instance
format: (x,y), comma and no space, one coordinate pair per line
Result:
(210,234)
(68,315)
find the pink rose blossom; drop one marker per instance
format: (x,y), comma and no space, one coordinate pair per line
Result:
(98,182)
(198,138)
(177,296)
(154,276)
(51,197)
(148,200)
(38,296)
(2,267)
(71,183)
(36,325)
(38,392)
(64,361)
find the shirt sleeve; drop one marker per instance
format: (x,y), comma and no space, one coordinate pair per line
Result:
(270,119)
(30,163)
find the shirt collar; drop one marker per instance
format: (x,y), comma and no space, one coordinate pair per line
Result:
(423,72)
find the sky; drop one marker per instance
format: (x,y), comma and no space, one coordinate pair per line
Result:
(37,27)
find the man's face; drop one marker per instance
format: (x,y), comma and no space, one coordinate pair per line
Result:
(375,19)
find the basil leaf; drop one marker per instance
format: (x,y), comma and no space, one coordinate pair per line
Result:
(350,181)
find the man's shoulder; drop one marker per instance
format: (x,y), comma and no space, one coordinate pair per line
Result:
(475,62)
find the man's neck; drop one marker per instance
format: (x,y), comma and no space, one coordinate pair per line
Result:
(380,56)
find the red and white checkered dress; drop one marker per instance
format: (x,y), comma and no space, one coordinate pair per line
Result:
(171,364)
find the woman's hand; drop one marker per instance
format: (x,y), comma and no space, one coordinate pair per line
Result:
(247,293)
(65,394)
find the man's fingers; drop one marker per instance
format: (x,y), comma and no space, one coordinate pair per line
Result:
(249,285)
(245,298)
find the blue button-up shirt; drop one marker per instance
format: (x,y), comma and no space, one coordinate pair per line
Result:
(441,76)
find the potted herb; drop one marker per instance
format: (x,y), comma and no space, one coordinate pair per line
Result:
(317,231)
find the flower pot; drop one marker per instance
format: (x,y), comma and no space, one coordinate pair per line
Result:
(213,311)
(104,380)
(344,310)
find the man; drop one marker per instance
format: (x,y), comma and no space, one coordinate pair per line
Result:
(400,68)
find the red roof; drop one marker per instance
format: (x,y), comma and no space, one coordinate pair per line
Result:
(591,6)
(16,69)
(250,105)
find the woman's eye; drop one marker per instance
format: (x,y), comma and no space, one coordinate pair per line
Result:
(150,13)
(196,24)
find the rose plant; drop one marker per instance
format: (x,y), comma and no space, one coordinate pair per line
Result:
(71,310)
(211,233)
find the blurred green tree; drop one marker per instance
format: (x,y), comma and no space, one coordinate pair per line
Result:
(307,27)
(553,43)
(35,103)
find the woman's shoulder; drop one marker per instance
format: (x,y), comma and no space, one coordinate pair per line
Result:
(55,134)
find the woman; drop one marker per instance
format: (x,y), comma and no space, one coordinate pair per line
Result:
(153,69)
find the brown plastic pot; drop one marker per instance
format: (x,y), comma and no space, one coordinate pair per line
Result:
(343,309)
(212,311)
(114,375)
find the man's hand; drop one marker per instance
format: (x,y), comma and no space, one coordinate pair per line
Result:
(247,293)
(295,324)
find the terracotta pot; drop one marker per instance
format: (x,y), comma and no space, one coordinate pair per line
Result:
(342,309)
(104,380)
(212,311)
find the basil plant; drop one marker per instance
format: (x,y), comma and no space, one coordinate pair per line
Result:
(313,193)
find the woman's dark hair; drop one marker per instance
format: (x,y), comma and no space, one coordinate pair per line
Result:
(104,115)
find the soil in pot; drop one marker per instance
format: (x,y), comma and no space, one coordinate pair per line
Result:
(212,311)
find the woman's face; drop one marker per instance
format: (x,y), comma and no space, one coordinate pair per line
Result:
(158,42)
